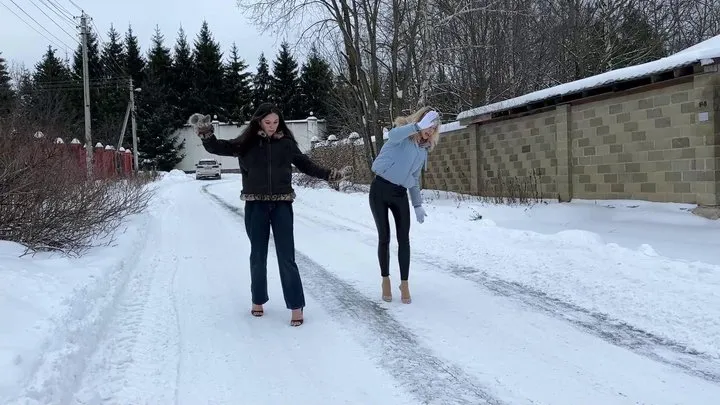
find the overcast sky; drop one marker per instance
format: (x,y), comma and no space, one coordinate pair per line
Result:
(20,43)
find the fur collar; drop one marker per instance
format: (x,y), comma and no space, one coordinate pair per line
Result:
(276,135)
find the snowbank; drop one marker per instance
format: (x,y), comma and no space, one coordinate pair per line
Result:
(175,175)
(52,310)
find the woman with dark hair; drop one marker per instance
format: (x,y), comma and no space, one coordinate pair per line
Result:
(266,151)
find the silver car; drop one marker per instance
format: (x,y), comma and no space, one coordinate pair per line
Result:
(208,168)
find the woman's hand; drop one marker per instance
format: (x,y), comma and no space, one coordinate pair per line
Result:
(339,175)
(431,118)
(202,125)
(420,213)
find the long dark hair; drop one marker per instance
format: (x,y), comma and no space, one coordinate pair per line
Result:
(245,139)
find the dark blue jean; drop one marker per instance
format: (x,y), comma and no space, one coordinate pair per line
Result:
(260,217)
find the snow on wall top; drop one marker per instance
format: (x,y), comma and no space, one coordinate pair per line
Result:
(451,126)
(703,52)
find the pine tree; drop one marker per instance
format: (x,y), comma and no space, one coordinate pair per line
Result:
(157,144)
(238,97)
(262,83)
(25,91)
(95,67)
(51,106)
(113,98)
(159,62)
(183,80)
(134,61)
(208,81)
(285,85)
(113,58)
(7,95)
(316,85)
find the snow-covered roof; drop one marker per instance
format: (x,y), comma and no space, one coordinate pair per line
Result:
(705,52)
(451,126)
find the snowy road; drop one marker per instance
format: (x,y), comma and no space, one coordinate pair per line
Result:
(182,333)
(177,328)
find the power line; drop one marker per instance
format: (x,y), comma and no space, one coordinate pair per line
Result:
(52,7)
(33,28)
(74,4)
(61,8)
(31,17)
(54,22)
(122,80)
(78,87)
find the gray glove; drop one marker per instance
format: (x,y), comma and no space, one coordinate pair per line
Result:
(202,125)
(339,175)
(420,213)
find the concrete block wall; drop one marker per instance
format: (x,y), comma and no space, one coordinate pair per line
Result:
(521,147)
(658,144)
(452,165)
(649,146)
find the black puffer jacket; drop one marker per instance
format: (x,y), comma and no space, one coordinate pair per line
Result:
(266,164)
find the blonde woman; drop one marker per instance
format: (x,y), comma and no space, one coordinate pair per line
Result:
(397,170)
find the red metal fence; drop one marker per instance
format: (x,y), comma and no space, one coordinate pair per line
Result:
(107,162)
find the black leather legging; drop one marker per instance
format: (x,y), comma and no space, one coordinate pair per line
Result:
(383,196)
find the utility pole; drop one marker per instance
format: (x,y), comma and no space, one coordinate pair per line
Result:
(134,125)
(124,126)
(86,86)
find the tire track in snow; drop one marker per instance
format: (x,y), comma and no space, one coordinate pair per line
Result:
(616,332)
(128,367)
(427,377)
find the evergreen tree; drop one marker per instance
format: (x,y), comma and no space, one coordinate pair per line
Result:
(134,61)
(159,62)
(113,58)
(157,145)
(113,98)
(183,80)
(640,42)
(238,97)
(25,91)
(51,107)
(7,95)
(316,85)
(262,83)
(95,67)
(51,71)
(209,71)
(285,85)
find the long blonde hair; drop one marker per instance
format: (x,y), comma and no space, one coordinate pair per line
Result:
(416,117)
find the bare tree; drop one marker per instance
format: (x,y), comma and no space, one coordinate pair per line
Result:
(392,56)
(357,23)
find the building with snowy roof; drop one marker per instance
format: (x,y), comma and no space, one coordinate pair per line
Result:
(648,132)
